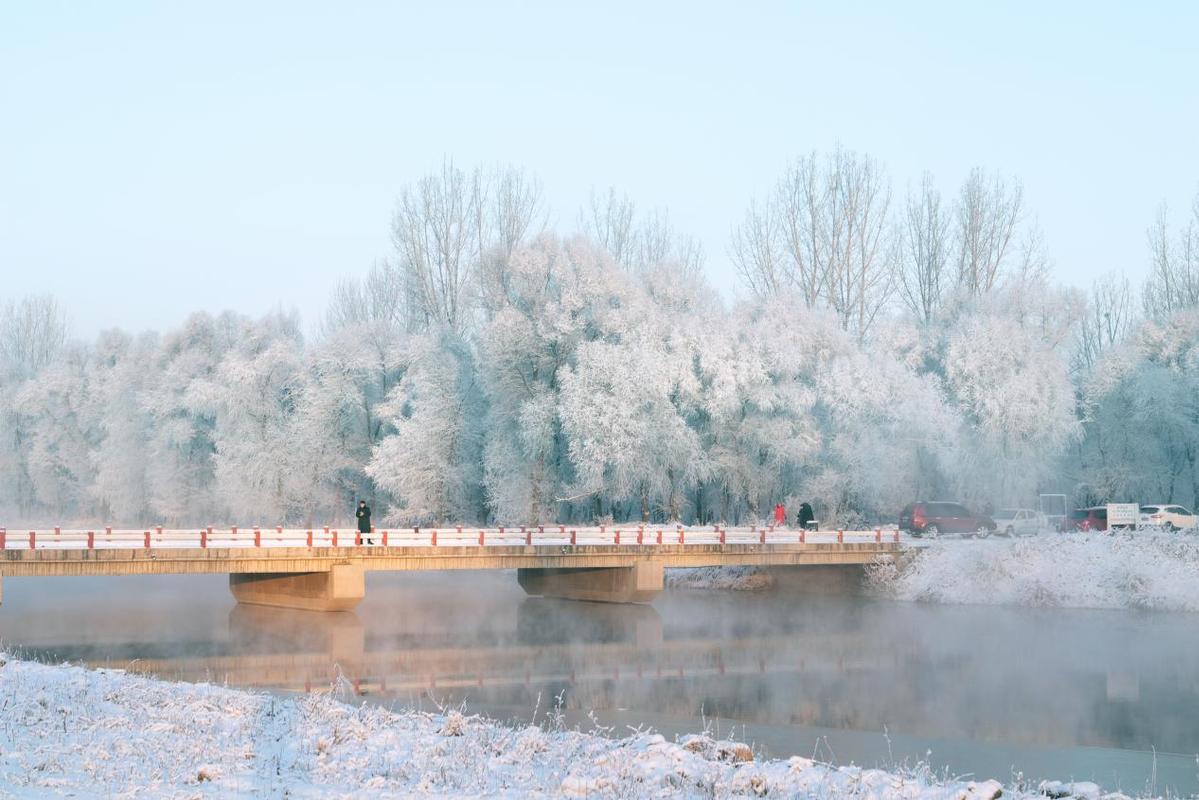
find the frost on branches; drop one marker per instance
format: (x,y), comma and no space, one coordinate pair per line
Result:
(578,390)
(496,373)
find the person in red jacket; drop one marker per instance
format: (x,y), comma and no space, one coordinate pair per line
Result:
(780,515)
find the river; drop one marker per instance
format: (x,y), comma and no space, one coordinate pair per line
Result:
(1109,696)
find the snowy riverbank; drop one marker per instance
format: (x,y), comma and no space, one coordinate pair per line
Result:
(1084,570)
(68,730)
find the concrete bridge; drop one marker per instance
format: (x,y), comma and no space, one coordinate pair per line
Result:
(325,569)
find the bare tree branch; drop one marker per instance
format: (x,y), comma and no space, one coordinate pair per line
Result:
(33,332)
(923,278)
(987,212)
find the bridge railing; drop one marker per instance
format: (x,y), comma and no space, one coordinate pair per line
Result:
(456,536)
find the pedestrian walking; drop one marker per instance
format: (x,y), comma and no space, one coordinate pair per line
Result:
(364,521)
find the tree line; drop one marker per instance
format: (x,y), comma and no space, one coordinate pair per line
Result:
(494,370)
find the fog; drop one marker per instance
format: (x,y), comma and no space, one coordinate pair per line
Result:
(1087,694)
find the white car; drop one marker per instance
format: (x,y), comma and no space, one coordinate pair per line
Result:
(1019,521)
(1170,517)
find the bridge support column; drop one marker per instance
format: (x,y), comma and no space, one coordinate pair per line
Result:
(639,583)
(339,589)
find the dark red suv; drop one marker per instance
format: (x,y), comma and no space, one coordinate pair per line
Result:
(934,518)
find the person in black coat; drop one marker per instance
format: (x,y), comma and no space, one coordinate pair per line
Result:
(805,517)
(364,520)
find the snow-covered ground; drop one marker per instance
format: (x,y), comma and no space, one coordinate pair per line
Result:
(741,579)
(1083,570)
(67,730)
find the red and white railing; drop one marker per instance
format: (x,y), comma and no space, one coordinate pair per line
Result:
(456,536)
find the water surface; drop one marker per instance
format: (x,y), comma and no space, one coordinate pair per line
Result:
(1110,696)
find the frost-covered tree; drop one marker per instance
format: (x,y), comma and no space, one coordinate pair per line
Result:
(182,405)
(492,372)
(16,490)
(350,376)
(33,331)
(625,407)
(431,465)
(1006,370)
(120,372)
(1142,416)
(256,389)
(323,470)
(52,408)
(32,335)
(802,411)
(1138,382)
(559,295)
(761,426)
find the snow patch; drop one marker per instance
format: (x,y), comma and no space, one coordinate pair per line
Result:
(1083,570)
(131,736)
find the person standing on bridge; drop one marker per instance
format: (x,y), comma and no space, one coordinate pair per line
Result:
(364,521)
(805,517)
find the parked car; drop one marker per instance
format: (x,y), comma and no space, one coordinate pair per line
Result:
(1093,518)
(932,518)
(1020,521)
(1170,517)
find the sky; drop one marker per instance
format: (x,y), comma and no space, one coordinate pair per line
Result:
(162,158)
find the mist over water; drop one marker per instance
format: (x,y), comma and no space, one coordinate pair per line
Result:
(990,691)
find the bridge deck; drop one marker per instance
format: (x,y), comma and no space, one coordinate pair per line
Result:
(158,551)
(128,561)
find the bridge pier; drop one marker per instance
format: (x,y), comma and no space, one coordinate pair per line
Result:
(339,589)
(640,583)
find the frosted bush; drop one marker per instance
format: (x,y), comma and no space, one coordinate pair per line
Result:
(743,579)
(1134,570)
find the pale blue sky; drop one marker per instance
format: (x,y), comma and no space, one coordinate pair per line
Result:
(165,157)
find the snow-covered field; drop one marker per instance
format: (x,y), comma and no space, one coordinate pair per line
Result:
(66,730)
(740,579)
(1084,570)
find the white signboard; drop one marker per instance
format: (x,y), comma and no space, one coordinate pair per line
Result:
(1123,515)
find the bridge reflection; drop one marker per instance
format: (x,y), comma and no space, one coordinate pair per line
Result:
(1005,676)
(556,643)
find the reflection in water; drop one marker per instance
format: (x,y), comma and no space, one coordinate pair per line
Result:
(985,688)
(546,621)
